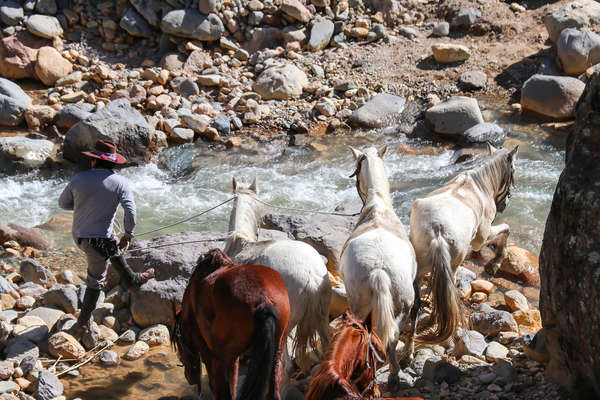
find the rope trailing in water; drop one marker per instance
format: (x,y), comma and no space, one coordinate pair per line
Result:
(307,211)
(187,219)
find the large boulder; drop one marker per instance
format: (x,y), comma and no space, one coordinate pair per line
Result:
(13,103)
(569,258)
(18,55)
(576,14)
(482,133)
(454,115)
(551,96)
(24,236)
(25,153)
(69,116)
(117,122)
(578,50)
(190,23)
(281,82)
(381,111)
(51,66)
(45,26)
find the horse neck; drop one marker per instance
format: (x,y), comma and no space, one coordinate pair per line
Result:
(377,181)
(489,177)
(243,223)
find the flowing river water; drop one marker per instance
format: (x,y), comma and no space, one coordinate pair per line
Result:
(191,178)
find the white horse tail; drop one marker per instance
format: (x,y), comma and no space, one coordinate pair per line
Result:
(446,311)
(316,317)
(383,305)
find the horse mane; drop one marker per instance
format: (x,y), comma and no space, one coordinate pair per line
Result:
(210,262)
(249,217)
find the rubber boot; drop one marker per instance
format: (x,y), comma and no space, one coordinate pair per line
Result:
(130,279)
(89,305)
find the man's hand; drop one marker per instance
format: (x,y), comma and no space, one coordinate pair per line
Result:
(125,240)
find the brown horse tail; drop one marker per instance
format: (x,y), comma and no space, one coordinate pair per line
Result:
(446,311)
(175,331)
(262,354)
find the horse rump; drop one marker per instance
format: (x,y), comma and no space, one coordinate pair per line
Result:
(262,354)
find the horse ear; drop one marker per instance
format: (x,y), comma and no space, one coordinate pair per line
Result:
(234,184)
(382,151)
(368,322)
(491,148)
(355,153)
(254,186)
(513,152)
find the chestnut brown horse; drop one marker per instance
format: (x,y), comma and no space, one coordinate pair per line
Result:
(227,310)
(348,370)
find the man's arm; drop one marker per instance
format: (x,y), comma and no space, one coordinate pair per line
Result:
(128,204)
(65,201)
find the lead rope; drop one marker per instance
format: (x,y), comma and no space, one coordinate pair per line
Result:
(305,211)
(375,358)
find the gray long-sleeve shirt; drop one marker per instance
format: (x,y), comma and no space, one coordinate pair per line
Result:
(94,195)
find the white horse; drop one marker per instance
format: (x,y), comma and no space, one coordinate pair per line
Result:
(442,227)
(378,261)
(300,265)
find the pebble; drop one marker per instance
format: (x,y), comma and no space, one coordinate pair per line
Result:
(138,350)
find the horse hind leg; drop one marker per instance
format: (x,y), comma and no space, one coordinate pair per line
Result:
(409,347)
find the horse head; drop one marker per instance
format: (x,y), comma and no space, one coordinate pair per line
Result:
(508,180)
(192,364)
(370,172)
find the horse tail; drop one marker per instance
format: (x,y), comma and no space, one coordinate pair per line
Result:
(446,311)
(382,304)
(262,354)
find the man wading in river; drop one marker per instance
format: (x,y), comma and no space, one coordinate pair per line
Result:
(94,196)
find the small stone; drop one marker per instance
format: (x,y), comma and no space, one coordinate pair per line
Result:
(138,350)
(155,335)
(495,351)
(481,285)
(6,369)
(470,342)
(441,29)
(65,345)
(516,301)
(473,79)
(490,322)
(48,386)
(466,17)
(529,319)
(45,26)
(127,337)
(24,302)
(109,358)
(450,53)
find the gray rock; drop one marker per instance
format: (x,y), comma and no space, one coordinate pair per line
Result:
(46,7)
(222,124)
(504,369)
(255,18)
(63,297)
(49,315)
(409,32)
(466,17)
(109,358)
(29,5)
(117,122)
(484,132)
(155,335)
(320,34)
(488,378)
(11,13)
(208,6)
(45,26)
(495,352)
(381,111)
(27,364)
(379,30)
(576,14)
(469,342)
(135,24)
(281,82)
(454,115)
(198,123)
(24,153)
(420,358)
(32,289)
(551,96)
(48,386)
(9,387)
(578,50)
(34,333)
(490,321)
(182,135)
(69,116)
(150,10)
(441,29)
(440,371)
(5,286)
(128,337)
(31,271)
(191,24)
(185,86)
(473,79)
(13,103)
(8,315)
(20,349)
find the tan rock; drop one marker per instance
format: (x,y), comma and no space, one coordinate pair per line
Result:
(522,265)
(23,383)
(65,345)
(51,66)
(7,302)
(359,32)
(296,10)
(478,297)
(107,333)
(197,61)
(18,54)
(449,53)
(481,285)
(24,303)
(138,350)
(531,320)
(38,116)
(516,301)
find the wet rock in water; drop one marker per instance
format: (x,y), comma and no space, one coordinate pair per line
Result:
(65,345)
(109,358)
(117,122)
(551,96)
(441,29)
(482,133)
(11,13)
(192,24)
(44,26)
(135,24)
(13,103)
(296,10)
(19,349)
(454,115)
(490,322)
(155,335)
(449,53)
(69,116)
(381,111)
(576,14)
(23,153)
(320,34)
(31,271)
(49,315)
(63,297)
(469,342)
(466,17)
(473,79)
(577,50)
(48,386)
(440,371)
(521,265)
(516,301)
(138,350)
(495,351)
(281,82)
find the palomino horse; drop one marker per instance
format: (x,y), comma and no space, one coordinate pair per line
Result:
(445,223)
(348,370)
(300,265)
(378,262)
(227,310)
